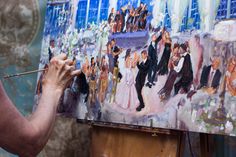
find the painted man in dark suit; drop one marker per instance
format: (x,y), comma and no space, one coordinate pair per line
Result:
(51,50)
(152,54)
(211,75)
(183,70)
(116,51)
(141,77)
(186,72)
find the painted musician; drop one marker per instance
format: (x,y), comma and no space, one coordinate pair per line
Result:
(142,20)
(130,20)
(137,14)
(111,17)
(122,20)
(118,23)
(111,20)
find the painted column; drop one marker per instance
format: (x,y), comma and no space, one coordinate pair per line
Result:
(228,9)
(99,11)
(158,12)
(57,8)
(112,4)
(74,12)
(190,8)
(175,18)
(87,13)
(209,19)
(139,1)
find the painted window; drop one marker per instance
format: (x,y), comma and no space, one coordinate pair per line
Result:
(167,19)
(222,10)
(233,9)
(58,22)
(93,11)
(104,10)
(191,19)
(81,14)
(194,21)
(150,8)
(121,3)
(184,25)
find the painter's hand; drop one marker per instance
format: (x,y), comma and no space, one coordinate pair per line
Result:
(60,73)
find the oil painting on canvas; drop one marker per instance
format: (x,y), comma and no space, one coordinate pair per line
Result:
(153,63)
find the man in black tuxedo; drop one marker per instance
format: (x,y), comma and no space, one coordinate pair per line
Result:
(141,77)
(152,54)
(82,85)
(116,51)
(186,71)
(211,75)
(51,50)
(183,70)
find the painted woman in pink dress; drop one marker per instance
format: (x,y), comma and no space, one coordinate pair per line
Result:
(196,50)
(126,95)
(231,76)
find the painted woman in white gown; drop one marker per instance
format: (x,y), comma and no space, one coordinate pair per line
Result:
(126,94)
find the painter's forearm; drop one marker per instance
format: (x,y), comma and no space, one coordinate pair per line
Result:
(44,117)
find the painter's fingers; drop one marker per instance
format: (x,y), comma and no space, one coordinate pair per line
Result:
(69,62)
(61,56)
(75,72)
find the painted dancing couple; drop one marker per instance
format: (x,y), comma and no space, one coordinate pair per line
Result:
(133,99)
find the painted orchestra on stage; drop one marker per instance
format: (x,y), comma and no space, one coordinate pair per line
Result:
(153,63)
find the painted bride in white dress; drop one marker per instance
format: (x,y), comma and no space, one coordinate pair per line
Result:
(126,95)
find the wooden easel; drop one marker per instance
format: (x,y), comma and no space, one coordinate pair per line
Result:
(207,145)
(108,141)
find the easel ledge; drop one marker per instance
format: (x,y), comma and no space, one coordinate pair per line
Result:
(134,135)
(131,127)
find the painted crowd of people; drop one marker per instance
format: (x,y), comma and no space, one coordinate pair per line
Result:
(105,80)
(118,76)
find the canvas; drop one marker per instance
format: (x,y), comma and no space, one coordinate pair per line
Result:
(154,63)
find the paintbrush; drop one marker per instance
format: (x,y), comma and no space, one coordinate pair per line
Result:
(24,73)
(28,72)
